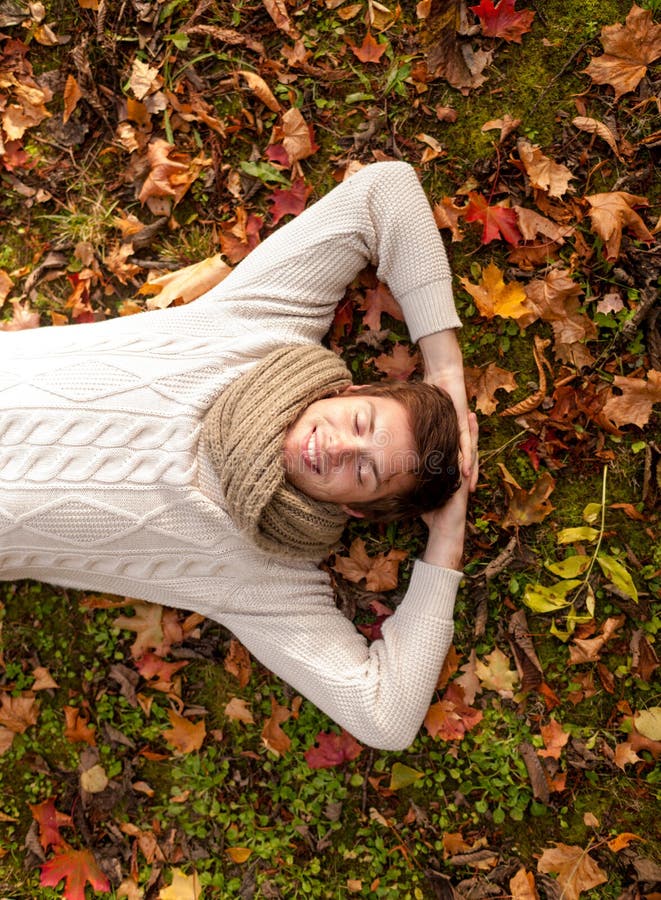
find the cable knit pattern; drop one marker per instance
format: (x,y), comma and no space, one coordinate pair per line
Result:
(105,484)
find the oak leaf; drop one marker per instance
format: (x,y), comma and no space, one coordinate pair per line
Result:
(612,212)
(629,49)
(370,50)
(77,868)
(575,868)
(380,572)
(502,21)
(379,300)
(495,298)
(482,382)
(542,171)
(634,405)
(332,749)
(498,221)
(289,202)
(185,735)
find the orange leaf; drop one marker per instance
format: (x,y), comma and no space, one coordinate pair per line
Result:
(238,854)
(399,365)
(380,572)
(297,140)
(527,507)
(18,713)
(543,173)
(377,301)
(620,841)
(76,867)
(237,662)
(370,50)
(76,727)
(629,50)
(495,298)
(451,718)
(554,738)
(273,737)
(237,709)
(482,383)
(498,221)
(185,735)
(50,820)
(277,10)
(613,211)
(72,94)
(634,405)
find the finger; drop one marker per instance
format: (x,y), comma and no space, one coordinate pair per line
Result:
(474,433)
(466,450)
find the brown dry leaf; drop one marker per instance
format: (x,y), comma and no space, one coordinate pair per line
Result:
(451,717)
(381,572)
(555,299)
(6,739)
(18,713)
(644,660)
(482,382)
(261,90)
(613,211)
(587,649)
(277,10)
(594,126)
(399,364)
(297,140)
(156,629)
(72,94)
(379,300)
(6,284)
(495,298)
(527,507)
(273,737)
(629,49)
(76,728)
(522,886)
(116,261)
(27,109)
(238,709)
(525,656)
(23,316)
(542,171)
(448,56)
(506,125)
(468,681)
(496,675)
(187,284)
(168,178)
(634,405)
(447,215)
(43,680)
(238,663)
(185,735)
(575,868)
(625,755)
(531,224)
(555,738)
(144,79)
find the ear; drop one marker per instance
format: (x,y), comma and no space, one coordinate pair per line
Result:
(352,388)
(356,513)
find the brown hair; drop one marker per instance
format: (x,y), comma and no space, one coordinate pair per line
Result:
(435,429)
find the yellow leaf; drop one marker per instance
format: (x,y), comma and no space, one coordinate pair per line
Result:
(183,887)
(648,723)
(402,776)
(615,572)
(620,841)
(583,533)
(549,599)
(570,567)
(495,298)
(238,854)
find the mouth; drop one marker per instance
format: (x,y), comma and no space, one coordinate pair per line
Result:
(310,452)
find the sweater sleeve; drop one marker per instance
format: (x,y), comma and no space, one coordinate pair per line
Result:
(297,276)
(379,692)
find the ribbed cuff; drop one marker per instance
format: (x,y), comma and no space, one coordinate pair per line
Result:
(429,308)
(432,591)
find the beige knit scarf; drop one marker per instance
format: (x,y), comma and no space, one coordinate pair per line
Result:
(245,431)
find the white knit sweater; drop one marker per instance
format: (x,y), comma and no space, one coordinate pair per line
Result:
(104,484)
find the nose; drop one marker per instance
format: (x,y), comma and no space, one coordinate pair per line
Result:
(343,448)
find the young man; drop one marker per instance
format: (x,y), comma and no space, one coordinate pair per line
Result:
(181,457)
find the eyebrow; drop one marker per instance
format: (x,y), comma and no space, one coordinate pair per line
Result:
(372,426)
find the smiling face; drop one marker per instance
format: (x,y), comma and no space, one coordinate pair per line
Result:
(351,449)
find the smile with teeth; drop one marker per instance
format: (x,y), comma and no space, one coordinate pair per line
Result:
(311,452)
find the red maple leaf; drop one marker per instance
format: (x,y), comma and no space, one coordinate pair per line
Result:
(498,221)
(342,320)
(379,300)
(277,154)
(331,749)
(290,201)
(49,820)
(370,50)
(502,21)
(77,867)
(372,631)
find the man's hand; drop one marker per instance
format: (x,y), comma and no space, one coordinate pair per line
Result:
(444,366)
(445,544)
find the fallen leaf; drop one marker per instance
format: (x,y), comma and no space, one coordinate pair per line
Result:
(261,90)
(450,718)
(648,723)
(297,140)
(527,507)
(18,713)
(43,681)
(644,660)
(237,709)
(289,202)
(633,406)
(501,20)
(554,737)
(522,886)
(498,221)
(157,671)
(575,868)
(238,663)
(273,737)
(238,854)
(495,298)
(370,50)
(543,172)
(482,382)
(332,749)
(584,650)
(402,776)
(629,49)
(506,125)
(594,126)
(72,94)
(399,364)
(381,572)
(531,224)
(620,841)
(185,735)
(239,237)
(77,868)
(277,10)
(23,316)
(625,755)
(496,675)
(183,887)
(379,300)
(50,820)
(447,215)
(76,728)
(450,57)
(187,284)
(612,212)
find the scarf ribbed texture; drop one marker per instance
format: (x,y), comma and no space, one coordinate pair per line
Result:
(245,432)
